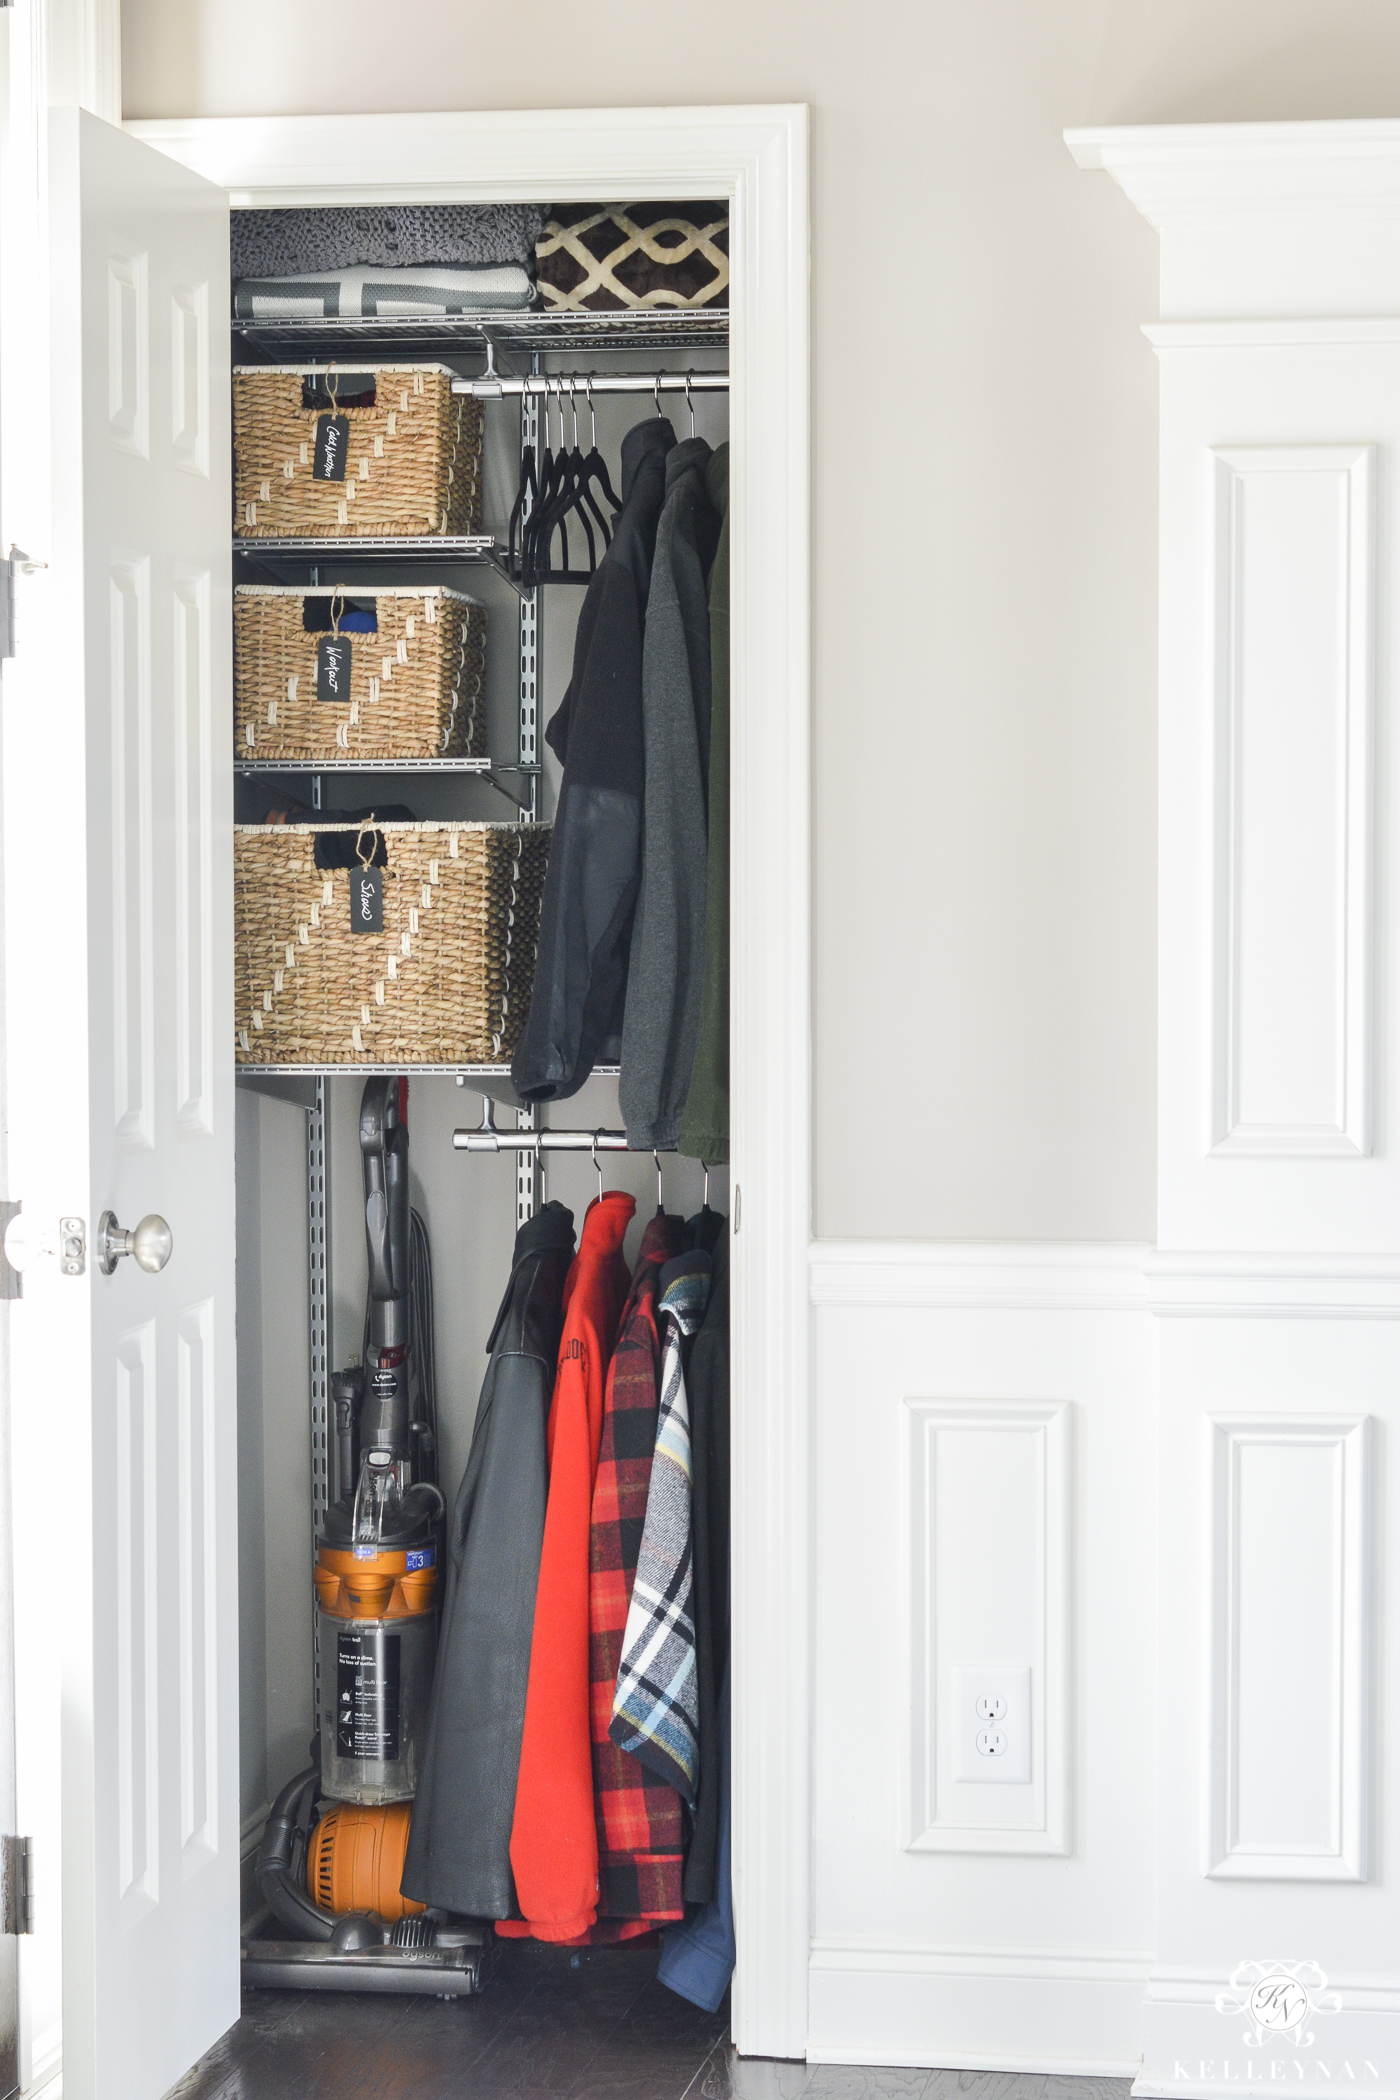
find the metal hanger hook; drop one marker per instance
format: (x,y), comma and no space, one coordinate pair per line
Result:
(573,409)
(656,380)
(660,1199)
(690,404)
(597,1166)
(705,1199)
(592,418)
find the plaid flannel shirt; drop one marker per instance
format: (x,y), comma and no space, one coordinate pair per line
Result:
(656,1704)
(641,1825)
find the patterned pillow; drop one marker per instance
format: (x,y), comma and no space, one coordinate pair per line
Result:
(604,257)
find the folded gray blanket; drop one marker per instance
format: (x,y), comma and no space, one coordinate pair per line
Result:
(387,294)
(296,242)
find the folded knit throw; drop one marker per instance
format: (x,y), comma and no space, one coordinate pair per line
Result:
(388,236)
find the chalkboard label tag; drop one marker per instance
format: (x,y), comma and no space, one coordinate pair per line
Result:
(332,448)
(333,667)
(366,900)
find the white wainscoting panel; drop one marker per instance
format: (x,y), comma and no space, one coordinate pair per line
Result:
(958,1924)
(1294,562)
(986,1586)
(1289,1633)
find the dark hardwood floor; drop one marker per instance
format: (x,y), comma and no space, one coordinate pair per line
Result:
(549,2025)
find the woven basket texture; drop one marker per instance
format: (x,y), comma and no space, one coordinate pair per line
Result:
(448,980)
(413,466)
(415,686)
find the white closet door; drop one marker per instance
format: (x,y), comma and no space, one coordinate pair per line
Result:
(139,359)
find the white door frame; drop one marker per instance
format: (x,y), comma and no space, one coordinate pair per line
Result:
(758,158)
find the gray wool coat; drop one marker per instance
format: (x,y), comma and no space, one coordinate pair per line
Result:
(666,971)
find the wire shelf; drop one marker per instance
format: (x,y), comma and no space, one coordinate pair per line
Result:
(547,330)
(244,1070)
(455,547)
(375,765)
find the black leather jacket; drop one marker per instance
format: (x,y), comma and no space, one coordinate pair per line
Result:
(459,1844)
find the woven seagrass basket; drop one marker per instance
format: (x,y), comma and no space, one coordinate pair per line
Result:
(446,982)
(414,688)
(412,464)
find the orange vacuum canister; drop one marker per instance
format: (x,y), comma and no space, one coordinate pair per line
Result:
(355,1860)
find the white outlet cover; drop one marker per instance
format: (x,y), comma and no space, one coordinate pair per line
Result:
(1011,1690)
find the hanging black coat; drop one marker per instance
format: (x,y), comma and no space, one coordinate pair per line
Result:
(666,967)
(576,1007)
(459,1843)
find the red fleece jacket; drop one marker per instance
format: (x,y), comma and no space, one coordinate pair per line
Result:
(554,1837)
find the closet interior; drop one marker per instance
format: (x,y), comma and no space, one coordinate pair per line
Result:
(443,418)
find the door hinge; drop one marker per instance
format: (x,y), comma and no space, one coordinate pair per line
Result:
(11,1282)
(17,1886)
(15,563)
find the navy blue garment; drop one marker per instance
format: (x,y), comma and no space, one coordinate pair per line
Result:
(697,1958)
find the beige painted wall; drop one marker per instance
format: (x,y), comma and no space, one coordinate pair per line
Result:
(984,491)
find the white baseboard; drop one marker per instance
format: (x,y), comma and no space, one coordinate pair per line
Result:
(1194,2052)
(1071,2012)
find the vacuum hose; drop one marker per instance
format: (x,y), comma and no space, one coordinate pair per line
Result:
(280,1874)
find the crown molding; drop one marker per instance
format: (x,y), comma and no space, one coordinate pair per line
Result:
(1174,171)
(1263,221)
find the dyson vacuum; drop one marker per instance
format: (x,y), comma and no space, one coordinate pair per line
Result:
(332,1854)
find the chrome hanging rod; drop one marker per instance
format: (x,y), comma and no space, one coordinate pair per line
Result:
(540,1141)
(487,1138)
(496,385)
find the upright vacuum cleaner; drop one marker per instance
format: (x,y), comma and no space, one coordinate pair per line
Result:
(332,1854)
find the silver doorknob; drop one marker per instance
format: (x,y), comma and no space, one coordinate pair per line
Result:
(150,1243)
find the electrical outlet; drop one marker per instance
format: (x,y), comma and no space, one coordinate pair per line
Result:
(992,1718)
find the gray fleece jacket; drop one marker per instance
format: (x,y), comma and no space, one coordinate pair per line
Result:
(666,972)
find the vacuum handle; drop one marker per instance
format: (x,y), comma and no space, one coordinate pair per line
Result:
(381,1275)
